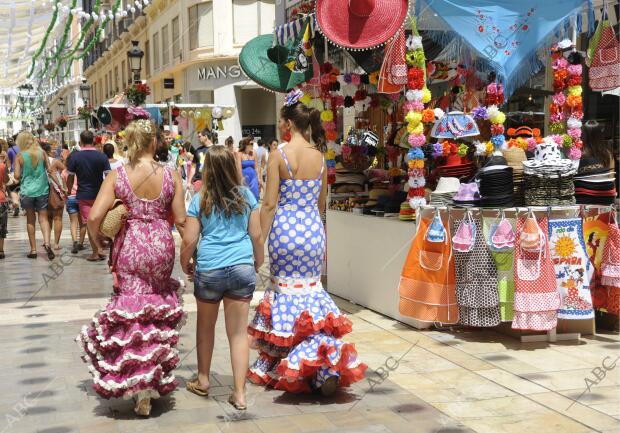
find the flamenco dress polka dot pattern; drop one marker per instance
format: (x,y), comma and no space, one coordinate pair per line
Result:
(297,325)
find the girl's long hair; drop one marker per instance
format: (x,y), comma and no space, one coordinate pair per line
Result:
(27,143)
(595,143)
(221,184)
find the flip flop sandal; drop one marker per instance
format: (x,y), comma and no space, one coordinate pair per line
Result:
(32,255)
(236,405)
(50,253)
(96,259)
(193,386)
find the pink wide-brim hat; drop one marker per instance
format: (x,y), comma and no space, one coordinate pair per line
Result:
(360,24)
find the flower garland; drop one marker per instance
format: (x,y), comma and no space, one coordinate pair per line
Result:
(566,109)
(416,115)
(494,96)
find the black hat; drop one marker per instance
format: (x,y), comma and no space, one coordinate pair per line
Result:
(104,115)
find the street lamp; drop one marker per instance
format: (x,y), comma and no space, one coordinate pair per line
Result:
(40,120)
(135,55)
(85,92)
(49,115)
(61,105)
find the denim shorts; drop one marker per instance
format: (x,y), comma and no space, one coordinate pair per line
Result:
(72,205)
(234,282)
(36,203)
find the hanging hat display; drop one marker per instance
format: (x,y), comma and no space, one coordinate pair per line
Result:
(360,24)
(104,115)
(278,68)
(216,112)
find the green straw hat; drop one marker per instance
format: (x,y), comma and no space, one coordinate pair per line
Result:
(266,64)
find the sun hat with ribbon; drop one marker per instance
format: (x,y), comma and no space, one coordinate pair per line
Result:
(269,65)
(360,24)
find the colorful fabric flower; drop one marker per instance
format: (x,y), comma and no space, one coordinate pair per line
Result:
(492,111)
(497,129)
(462,150)
(481,148)
(531,144)
(559,63)
(574,133)
(567,141)
(426,95)
(413,118)
(437,149)
(489,148)
(327,116)
(498,118)
(574,154)
(439,113)
(480,113)
(574,70)
(416,140)
(498,141)
(559,99)
(575,90)
(428,115)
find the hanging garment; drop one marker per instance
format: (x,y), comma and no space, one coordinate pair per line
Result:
(393,74)
(595,231)
(573,270)
(476,279)
(427,291)
(504,260)
(536,296)
(605,70)
(610,269)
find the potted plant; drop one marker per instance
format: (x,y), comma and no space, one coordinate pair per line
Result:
(137,93)
(62,121)
(85,112)
(50,126)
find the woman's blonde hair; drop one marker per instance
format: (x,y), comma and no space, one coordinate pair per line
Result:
(139,136)
(28,143)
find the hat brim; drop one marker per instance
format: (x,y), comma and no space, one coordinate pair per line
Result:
(347,30)
(264,63)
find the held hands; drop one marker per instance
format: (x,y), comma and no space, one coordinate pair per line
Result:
(188,269)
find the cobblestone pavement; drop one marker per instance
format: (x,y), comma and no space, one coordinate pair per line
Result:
(452,381)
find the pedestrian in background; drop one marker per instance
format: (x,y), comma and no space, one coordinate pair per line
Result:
(90,167)
(78,230)
(249,166)
(13,185)
(31,168)
(56,181)
(4,203)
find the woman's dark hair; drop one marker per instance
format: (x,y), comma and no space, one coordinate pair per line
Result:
(229,142)
(212,136)
(221,184)
(595,142)
(108,149)
(305,119)
(47,148)
(245,142)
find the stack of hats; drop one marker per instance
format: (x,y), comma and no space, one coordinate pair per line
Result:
(594,184)
(406,212)
(446,188)
(467,195)
(496,183)
(548,177)
(456,166)
(514,158)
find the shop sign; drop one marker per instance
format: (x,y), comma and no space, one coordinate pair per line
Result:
(259,131)
(217,72)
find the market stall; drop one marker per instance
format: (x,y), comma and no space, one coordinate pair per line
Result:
(451,129)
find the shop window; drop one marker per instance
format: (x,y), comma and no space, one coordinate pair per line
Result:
(176,38)
(200,25)
(156,51)
(200,97)
(165,47)
(266,16)
(245,22)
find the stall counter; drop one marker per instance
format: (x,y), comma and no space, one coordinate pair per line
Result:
(365,256)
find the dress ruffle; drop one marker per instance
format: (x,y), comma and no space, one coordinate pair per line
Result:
(297,335)
(297,317)
(130,345)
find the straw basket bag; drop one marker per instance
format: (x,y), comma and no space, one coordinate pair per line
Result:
(113,220)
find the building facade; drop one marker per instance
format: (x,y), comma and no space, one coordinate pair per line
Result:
(193,46)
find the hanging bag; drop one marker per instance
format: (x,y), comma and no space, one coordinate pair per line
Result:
(56,197)
(436,233)
(465,237)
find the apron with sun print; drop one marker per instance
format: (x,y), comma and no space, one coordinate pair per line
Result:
(573,270)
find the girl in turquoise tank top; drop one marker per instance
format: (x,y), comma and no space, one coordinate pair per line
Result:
(31,168)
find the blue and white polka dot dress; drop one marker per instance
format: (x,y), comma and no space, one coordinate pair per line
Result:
(297,324)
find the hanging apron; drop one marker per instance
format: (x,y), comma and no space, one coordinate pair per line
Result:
(610,268)
(505,274)
(595,233)
(537,299)
(573,270)
(427,290)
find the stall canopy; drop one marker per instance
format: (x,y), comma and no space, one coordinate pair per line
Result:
(505,36)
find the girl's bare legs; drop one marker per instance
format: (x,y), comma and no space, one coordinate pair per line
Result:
(31,221)
(45,226)
(236,314)
(75,223)
(205,339)
(57,219)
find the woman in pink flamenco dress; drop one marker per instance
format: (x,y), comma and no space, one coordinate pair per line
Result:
(130,345)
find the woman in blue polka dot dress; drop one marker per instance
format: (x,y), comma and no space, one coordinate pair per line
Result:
(297,326)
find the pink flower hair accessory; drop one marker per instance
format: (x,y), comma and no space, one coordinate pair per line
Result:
(557,139)
(574,154)
(416,140)
(560,63)
(559,98)
(575,133)
(531,144)
(575,70)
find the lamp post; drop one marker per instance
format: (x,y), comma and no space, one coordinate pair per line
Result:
(135,55)
(85,91)
(41,121)
(61,105)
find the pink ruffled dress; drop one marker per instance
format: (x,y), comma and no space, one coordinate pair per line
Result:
(297,326)
(130,345)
